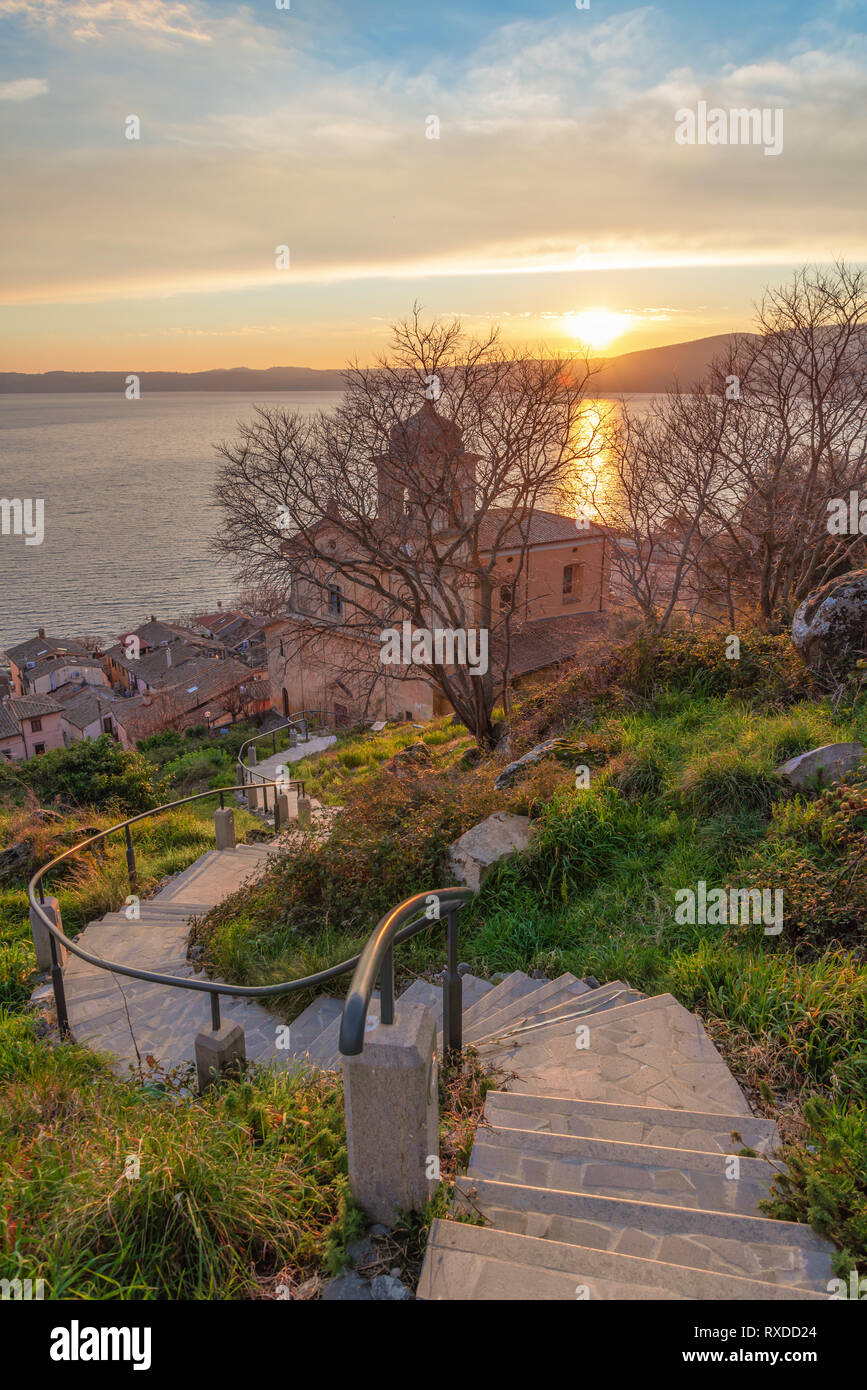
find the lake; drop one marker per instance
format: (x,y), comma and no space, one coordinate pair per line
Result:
(128,509)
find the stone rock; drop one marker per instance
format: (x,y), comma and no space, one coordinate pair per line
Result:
(386,1287)
(552,748)
(408,760)
(478,850)
(361,1252)
(825,765)
(830,626)
(347,1288)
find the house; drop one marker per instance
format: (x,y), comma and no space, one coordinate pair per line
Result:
(550,576)
(43,663)
(29,725)
(240,634)
(87,712)
(200,691)
(136,675)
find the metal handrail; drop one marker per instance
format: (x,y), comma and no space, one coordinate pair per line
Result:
(377,962)
(396,932)
(300,718)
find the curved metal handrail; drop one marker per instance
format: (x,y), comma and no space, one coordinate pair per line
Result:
(377,962)
(249,773)
(377,955)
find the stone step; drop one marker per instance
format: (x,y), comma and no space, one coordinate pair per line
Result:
(650,1053)
(547,995)
(562,1020)
(609,1167)
(465,1262)
(430,992)
(515,986)
(753,1247)
(637,1124)
(588,1001)
(309,1024)
(324,1051)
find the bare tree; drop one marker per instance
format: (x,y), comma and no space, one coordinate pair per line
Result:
(398,507)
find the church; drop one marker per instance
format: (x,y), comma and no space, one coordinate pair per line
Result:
(549,578)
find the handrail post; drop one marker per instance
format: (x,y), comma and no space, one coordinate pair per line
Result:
(59,992)
(452,988)
(215,1011)
(386,987)
(130,859)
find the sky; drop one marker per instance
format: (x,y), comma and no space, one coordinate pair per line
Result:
(556,201)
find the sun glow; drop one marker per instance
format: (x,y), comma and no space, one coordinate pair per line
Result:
(595,328)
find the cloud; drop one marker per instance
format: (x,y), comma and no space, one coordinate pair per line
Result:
(96,19)
(23,89)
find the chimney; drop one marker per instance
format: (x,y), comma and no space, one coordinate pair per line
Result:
(168,657)
(41,632)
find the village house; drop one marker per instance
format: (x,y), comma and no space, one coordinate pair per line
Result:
(43,664)
(318,660)
(29,726)
(87,712)
(200,691)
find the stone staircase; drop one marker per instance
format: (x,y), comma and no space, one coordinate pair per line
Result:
(604,1167)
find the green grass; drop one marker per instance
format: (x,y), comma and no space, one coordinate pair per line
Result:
(682,750)
(237,1191)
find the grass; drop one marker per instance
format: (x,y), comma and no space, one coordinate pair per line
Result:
(232,1192)
(682,750)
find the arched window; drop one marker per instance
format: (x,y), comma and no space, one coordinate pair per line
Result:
(285,703)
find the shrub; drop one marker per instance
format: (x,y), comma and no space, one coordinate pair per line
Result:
(97,773)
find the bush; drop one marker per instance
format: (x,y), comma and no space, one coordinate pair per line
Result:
(725,784)
(97,773)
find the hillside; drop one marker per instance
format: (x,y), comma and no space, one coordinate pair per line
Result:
(652,369)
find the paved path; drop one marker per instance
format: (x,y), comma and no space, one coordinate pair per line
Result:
(267,768)
(133,1019)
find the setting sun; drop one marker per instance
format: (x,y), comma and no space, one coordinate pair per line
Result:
(596,328)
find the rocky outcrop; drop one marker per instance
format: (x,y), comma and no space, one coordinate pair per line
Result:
(475,854)
(822,766)
(830,627)
(553,748)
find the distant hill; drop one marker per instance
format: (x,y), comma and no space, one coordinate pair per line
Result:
(229,379)
(656,369)
(652,369)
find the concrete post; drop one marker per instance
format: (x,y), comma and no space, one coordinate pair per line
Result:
(305,810)
(224,827)
(219,1052)
(254,790)
(42,936)
(293,738)
(392,1115)
(287,807)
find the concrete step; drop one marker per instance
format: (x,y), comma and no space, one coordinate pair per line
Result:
(651,1053)
(547,995)
(637,1124)
(430,992)
(562,1019)
(515,986)
(609,1167)
(570,1008)
(753,1247)
(465,1262)
(309,1025)
(324,1052)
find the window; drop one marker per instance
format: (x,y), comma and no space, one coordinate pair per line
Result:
(573,583)
(38,748)
(35,726)
(505,596)
(335,601)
